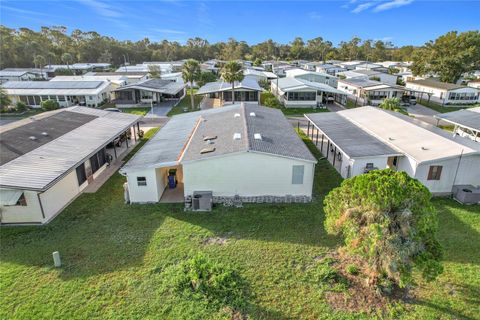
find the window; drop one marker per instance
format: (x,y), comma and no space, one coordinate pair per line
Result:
(94,163)
(22,201)
(141,181)
(434,173)
(297,174)
(81,175)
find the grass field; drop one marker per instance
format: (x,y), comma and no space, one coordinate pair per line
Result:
(443,109)
(185,104)
(115,259)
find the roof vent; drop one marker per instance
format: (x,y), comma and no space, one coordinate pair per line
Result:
(237,136)
(32,138)
(390,138)
(236,115)
(423,148)
(45,134)
(252,114)
(257,136)
(208,141)
(209,138)
(207,150)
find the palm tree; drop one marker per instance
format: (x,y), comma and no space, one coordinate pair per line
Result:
(39,60)
(67,58)
(191,73)
(232,71)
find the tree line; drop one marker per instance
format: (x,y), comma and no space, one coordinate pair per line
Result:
(20,48)
(449,56)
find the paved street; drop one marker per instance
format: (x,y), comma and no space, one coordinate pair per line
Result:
(161,109)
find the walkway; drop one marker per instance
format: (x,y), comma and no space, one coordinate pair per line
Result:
(424,114)
(173,195)
(112,168)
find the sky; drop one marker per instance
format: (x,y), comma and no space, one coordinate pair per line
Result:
(402,22)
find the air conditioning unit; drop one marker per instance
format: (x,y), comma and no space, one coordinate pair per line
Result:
(202,201)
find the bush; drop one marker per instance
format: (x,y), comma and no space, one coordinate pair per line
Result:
(351,269)
(49,105)
(21,107)
(387,219)
(219,284)
(267,99)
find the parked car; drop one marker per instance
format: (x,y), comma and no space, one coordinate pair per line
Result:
(408,100)
(113,109)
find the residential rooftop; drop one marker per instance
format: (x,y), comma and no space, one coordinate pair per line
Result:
(467,118)
(248,83)
(432,83)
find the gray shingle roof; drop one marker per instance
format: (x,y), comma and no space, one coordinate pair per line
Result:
(182,138)
(247,83)
(432,83)
(351,139)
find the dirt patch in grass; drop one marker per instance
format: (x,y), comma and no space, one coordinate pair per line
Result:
(360,296)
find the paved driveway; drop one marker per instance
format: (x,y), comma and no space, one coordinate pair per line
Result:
(425,114)
(161,109)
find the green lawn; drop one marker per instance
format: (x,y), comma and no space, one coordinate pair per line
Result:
(26,114)
(139,111)
(185,104)
(443,109)
(115,260)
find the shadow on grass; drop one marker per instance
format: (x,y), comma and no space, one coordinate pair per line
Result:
(96,234)
(460,241)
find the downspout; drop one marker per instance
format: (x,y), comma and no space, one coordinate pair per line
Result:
(41,206)
(458,166)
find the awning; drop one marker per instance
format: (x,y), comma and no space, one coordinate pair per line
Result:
(9,197)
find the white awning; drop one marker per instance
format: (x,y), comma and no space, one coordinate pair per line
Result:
(9,197)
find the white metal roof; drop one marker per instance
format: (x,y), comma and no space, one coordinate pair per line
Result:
(39,168)
(248,83)
(55,87)
(260,73)
(290,84)
(297,71)
(417,139)
(117,79)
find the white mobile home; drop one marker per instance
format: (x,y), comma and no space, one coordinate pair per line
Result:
(446,93)
(149,91)
(370,75)
(368,138)
(260,75)
(370,91)
(299,93)
(312,76)
(49,159)
(219,93)
(21,74)
(66,93)
(466,122)
(240,151)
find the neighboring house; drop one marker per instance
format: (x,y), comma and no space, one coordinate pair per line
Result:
(349,65)
(362,139)
(295,92)
(371,66)
(66,93)
(115,80)
(444,92)
(248,90)
(370,75)
(21,74)
(466,122)
(149,91)
(174,76)
(329,69)
(370,91)
(240,151)
(312,76)
(260,75)
(80,68)
(474,84)
(131,77)
(47,160)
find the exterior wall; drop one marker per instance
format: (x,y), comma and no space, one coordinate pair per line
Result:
(468,173)
(407,165)
(143,194)
(442,95)
(31,213)
(59,195)
(360,164)
(247,174)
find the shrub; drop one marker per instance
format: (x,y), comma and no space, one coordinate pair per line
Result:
(49,105)
(351,269)
(387,219)
(219,284)
(21,107)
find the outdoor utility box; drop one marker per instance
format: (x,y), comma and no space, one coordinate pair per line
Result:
(202,201)
(466,194)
